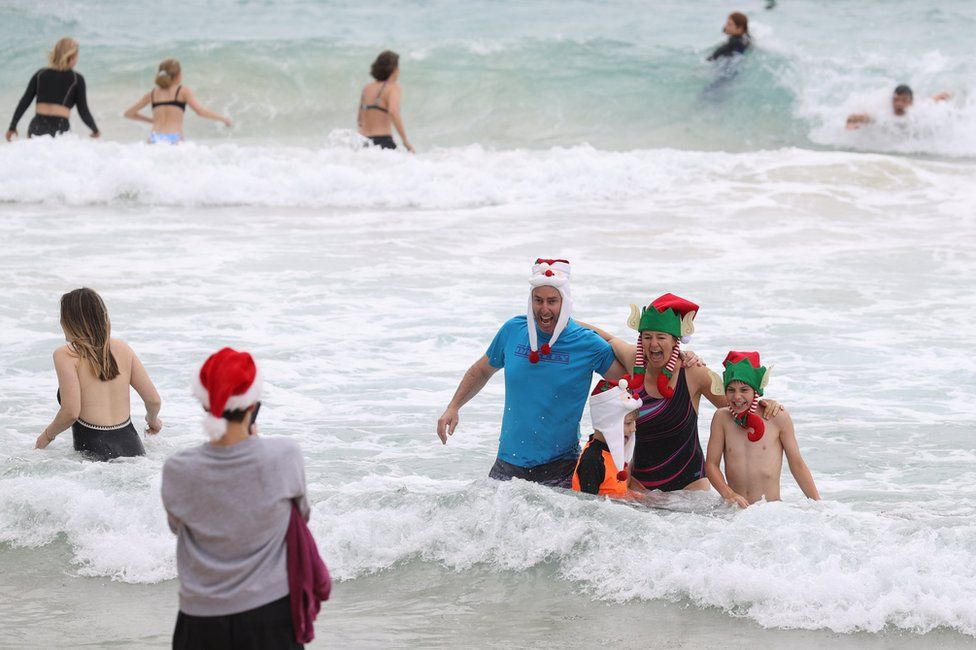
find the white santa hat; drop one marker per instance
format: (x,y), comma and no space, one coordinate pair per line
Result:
(228,381)
(549,273)
(609,405)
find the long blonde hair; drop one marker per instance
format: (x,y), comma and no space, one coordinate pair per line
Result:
(63,50)
(168,71)
(89,331)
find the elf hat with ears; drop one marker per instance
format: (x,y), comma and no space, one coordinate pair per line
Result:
(549,273)
(669,314)
(228,381)
(610,403)
(746,367)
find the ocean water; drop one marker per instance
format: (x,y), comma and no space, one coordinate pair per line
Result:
(366,282)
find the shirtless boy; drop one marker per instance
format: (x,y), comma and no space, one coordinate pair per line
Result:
(752,446)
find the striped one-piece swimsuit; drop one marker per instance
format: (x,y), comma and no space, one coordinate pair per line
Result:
(667,453)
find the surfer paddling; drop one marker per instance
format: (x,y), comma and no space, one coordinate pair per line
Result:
(752,447)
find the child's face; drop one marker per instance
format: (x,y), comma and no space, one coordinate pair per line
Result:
(630,425)
(740,395)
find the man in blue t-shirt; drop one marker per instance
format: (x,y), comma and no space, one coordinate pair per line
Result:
(549,361)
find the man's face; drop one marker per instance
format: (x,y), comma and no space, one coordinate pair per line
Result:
(630,425)
(901,102)
(740,396)
(546,304)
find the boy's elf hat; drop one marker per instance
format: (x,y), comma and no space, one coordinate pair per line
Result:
(549,273)
(746,367)
(670,314)
(610,403)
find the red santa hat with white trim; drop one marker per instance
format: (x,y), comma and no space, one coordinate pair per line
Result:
(549,273)
(228,381)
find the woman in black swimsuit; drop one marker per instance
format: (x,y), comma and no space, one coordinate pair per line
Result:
(94,375)
(376,117)
(57,88)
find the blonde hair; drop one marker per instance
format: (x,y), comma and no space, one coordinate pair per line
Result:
(63,50)
(168,71)
(89,331)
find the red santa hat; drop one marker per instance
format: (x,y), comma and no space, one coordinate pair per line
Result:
(610,403)
(228,381)
(549,273)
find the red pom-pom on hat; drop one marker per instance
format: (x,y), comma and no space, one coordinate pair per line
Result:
(664,386)
(622,475)
(545,349)
(533,357)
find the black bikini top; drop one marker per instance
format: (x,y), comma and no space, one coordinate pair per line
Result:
(172,102)
(376,102)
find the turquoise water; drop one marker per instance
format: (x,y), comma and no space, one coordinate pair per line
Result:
(619,75)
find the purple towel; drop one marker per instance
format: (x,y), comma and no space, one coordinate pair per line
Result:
(308,577)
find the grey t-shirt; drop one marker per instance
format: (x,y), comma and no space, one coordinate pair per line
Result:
(230,508)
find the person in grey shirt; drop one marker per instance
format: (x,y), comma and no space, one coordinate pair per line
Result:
(229,502)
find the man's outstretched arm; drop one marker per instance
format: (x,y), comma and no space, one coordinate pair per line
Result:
(471,384)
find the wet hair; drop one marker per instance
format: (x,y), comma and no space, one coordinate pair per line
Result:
(904,89)
(89,331)
(385,65)
(741,21)
(168,71)
(60,56)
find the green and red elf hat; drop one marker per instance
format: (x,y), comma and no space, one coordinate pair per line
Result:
(746,367)
(672,315)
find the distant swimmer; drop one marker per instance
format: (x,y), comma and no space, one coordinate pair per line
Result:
(379,104)
(169,105)
(901,100)
(737,29)
(95,372)
(57,88)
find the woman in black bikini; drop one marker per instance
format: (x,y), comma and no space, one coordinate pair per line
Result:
(375,117)
(57,88)
(94,375)
(168,101)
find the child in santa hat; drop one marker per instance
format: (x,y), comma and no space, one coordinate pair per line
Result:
(752,446)
(603,466)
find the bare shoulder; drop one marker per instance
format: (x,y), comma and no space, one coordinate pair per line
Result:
(65,354)
(120,347)
(722,416)
(698,376)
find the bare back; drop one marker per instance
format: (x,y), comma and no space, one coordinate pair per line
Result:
(105,403)
(374,116)
(168,118)
(752,469)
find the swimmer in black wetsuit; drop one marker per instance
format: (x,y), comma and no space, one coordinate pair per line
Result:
(57,88)
(376,117)
(737,29)
(94,375)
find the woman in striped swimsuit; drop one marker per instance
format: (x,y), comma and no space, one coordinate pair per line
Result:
(668,455)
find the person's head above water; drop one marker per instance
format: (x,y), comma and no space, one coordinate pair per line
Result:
(901,99)
(64,56)
(169,72)
(550,304)
(88,331)
(737,24)
(386,66)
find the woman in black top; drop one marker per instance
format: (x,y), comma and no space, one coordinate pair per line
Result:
(737,29)
(58,88)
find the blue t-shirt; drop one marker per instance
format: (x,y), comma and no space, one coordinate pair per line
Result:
(544,401)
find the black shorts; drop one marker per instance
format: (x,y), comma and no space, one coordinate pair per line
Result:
(382,141)
(48,125)
(267,627)
(558,473)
